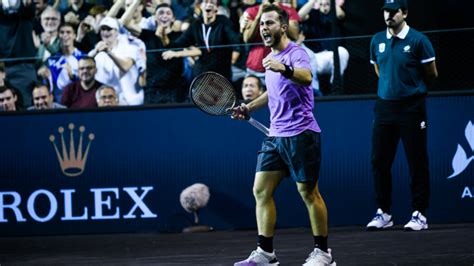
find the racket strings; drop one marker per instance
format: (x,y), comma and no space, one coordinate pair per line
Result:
(213,94)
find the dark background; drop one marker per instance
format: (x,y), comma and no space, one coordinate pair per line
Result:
(440,20)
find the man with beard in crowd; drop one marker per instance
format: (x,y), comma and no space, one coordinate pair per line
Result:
(43,98)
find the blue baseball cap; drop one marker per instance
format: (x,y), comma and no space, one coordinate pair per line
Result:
(395,5)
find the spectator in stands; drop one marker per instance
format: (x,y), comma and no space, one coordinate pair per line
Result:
(115,59)
(16,44)
(251,88)
(130,26)
(88,30)
(61,68)
(133,19)
(181,10)
(249,24)
(81,93)
(317,23)
(41,5)
(165,83)
(8,98)
(77,11)
(49,41)
(43,98)
(210,30)
(106,96)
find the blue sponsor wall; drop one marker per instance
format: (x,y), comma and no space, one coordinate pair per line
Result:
(140,160)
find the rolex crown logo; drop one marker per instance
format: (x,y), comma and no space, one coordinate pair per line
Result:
(72,161)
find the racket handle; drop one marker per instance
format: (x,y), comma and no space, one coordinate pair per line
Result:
(259,126)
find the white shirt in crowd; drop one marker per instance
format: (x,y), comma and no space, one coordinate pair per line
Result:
(125,84)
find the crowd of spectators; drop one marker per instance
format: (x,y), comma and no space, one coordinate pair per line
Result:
(78,54)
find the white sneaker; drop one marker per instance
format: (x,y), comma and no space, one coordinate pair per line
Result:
(380,221)
(320,258)
(259,257)
(417,222)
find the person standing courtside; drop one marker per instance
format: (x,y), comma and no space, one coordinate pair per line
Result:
(404,61)
(293,148)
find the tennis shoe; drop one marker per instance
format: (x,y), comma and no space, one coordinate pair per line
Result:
(417,222)
(320,258)
(380,221)
(259,257)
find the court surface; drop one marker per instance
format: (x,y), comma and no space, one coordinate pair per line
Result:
(442,244)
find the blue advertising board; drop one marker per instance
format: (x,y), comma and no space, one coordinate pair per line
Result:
(123,170)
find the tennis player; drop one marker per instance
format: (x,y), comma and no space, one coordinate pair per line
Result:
(293,148)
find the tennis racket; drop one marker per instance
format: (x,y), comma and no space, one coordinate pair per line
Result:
(213,94)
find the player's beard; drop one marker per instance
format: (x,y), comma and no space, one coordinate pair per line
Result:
(276,39)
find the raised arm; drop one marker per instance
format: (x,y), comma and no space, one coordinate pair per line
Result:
(252,26)
(188,52)
(306,8)
(126,18)
(300,76)
(340,13)
(113,11)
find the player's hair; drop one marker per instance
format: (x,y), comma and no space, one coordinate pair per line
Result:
(282,15)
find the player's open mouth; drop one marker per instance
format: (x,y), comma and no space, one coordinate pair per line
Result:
(267,37)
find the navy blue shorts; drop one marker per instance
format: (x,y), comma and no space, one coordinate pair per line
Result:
(299,156)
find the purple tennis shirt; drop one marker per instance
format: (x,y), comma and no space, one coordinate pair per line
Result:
(291,105)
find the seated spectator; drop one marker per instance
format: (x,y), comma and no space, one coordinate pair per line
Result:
(8,99)
(210,30)
(251,88)
(49,41)
(106,96)
(115,59)
(43,98)
(317,24)
(61,68)
(81,93)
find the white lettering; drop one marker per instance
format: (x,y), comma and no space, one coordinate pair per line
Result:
(68,216)
(53,205)
(138,203)
(99,202)
(13,206)
(466,193)
(106,205)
